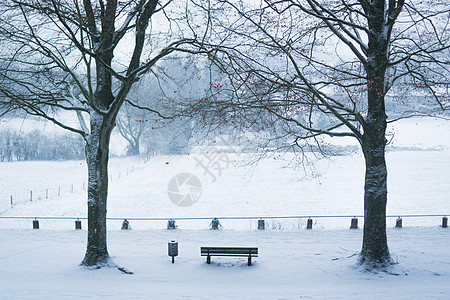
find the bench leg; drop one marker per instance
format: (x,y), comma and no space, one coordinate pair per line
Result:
(208,259)
(250,260)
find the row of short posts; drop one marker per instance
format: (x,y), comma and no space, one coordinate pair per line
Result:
(46,194)
(353,224)
(309,224)
(215,224)
(36,224)
(398,223)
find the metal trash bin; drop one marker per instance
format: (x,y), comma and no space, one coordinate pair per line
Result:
(173,250)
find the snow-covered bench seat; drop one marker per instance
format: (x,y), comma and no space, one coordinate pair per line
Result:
(229,251)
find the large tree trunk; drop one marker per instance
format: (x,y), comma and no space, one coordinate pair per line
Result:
(97,156)
(375,251)
(102,122)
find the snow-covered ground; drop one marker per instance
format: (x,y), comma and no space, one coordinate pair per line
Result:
(293,263)
(42,264)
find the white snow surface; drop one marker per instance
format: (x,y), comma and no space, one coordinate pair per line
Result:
(293,263)
(317,264)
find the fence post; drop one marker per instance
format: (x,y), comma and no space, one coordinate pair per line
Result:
(77,225)
(444,222)
(46,193)
(11,200)
(31,196)
(261,224)
(35,224)
(215,224)
(171,225)
(354,224)
(126,225)
(59,191)
(72,188)
(398,223)
(309,224)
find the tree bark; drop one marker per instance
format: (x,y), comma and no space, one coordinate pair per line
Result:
(375,251)
(97,156)
(102,122)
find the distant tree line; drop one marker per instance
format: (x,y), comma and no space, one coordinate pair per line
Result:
(35,145)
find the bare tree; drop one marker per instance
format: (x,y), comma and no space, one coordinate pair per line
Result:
(289,61)
(6,147)
(84,57)
(175,83)
(36,145)
(131,125)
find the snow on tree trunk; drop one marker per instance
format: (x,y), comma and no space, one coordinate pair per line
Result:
(375,251)
(97,156)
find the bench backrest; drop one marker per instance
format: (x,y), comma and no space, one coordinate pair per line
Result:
(229,250)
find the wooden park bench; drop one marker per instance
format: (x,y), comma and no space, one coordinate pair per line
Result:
(229,251)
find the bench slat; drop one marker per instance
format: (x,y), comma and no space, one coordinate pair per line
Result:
(229,250)
(234,255)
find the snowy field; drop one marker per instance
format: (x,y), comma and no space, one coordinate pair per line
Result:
(294,263)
